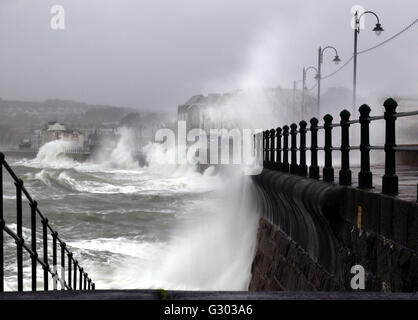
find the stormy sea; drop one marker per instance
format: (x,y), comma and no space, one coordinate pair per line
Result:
(136,227)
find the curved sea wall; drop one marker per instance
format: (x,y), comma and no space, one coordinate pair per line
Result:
(311,233)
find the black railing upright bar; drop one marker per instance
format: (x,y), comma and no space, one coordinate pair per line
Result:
(303,168)
(285,165)
(31,249)
(19,240)
(314,168)
(33,207)
(70,263)
(365,176)
(345,172)
(280,161)
(390,179)
(45,249)
(328,171)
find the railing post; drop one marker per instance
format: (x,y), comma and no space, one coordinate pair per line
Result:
(85,281)
(285,166)
(75,275)
(80,284)
(2,224)
(365,176)
(303,168)
(314,168)
(45,253)
(345,172)
(54,259)
(63,245)
(279,148)
(33,207)
(70,263)
(272,148)
(19,243)
(328,171)
(390,179)
(293,149)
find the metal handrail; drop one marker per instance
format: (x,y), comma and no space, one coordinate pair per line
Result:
(272,155)
(32,250)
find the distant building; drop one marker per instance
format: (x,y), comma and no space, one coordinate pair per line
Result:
(192,111)
(245,109)
(144,126)
(56,131)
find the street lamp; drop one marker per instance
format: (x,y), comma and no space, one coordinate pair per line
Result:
(336,60)
(305,71)
(378,29)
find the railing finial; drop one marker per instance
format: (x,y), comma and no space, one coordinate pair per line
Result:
(390,105)
(345,115)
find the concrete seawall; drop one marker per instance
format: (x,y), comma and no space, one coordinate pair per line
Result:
(31,154)
(311,233)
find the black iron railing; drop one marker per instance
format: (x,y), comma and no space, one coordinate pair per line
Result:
(275,155)
(68,277)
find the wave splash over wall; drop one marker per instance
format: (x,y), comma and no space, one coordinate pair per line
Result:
(122,156)
(212,251)
(52,154)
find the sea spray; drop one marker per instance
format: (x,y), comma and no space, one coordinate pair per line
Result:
(52,155)
(122,156)
(212,251)
(159,160)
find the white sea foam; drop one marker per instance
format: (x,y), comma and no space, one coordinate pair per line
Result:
(6,197)
(52,155)
(120,245)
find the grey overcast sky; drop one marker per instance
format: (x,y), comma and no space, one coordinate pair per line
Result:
(156,53)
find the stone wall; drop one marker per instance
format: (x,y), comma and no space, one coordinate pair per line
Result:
(281,264)
(378,232)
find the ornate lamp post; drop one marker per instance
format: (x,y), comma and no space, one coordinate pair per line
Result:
(378,29)
(336,60)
